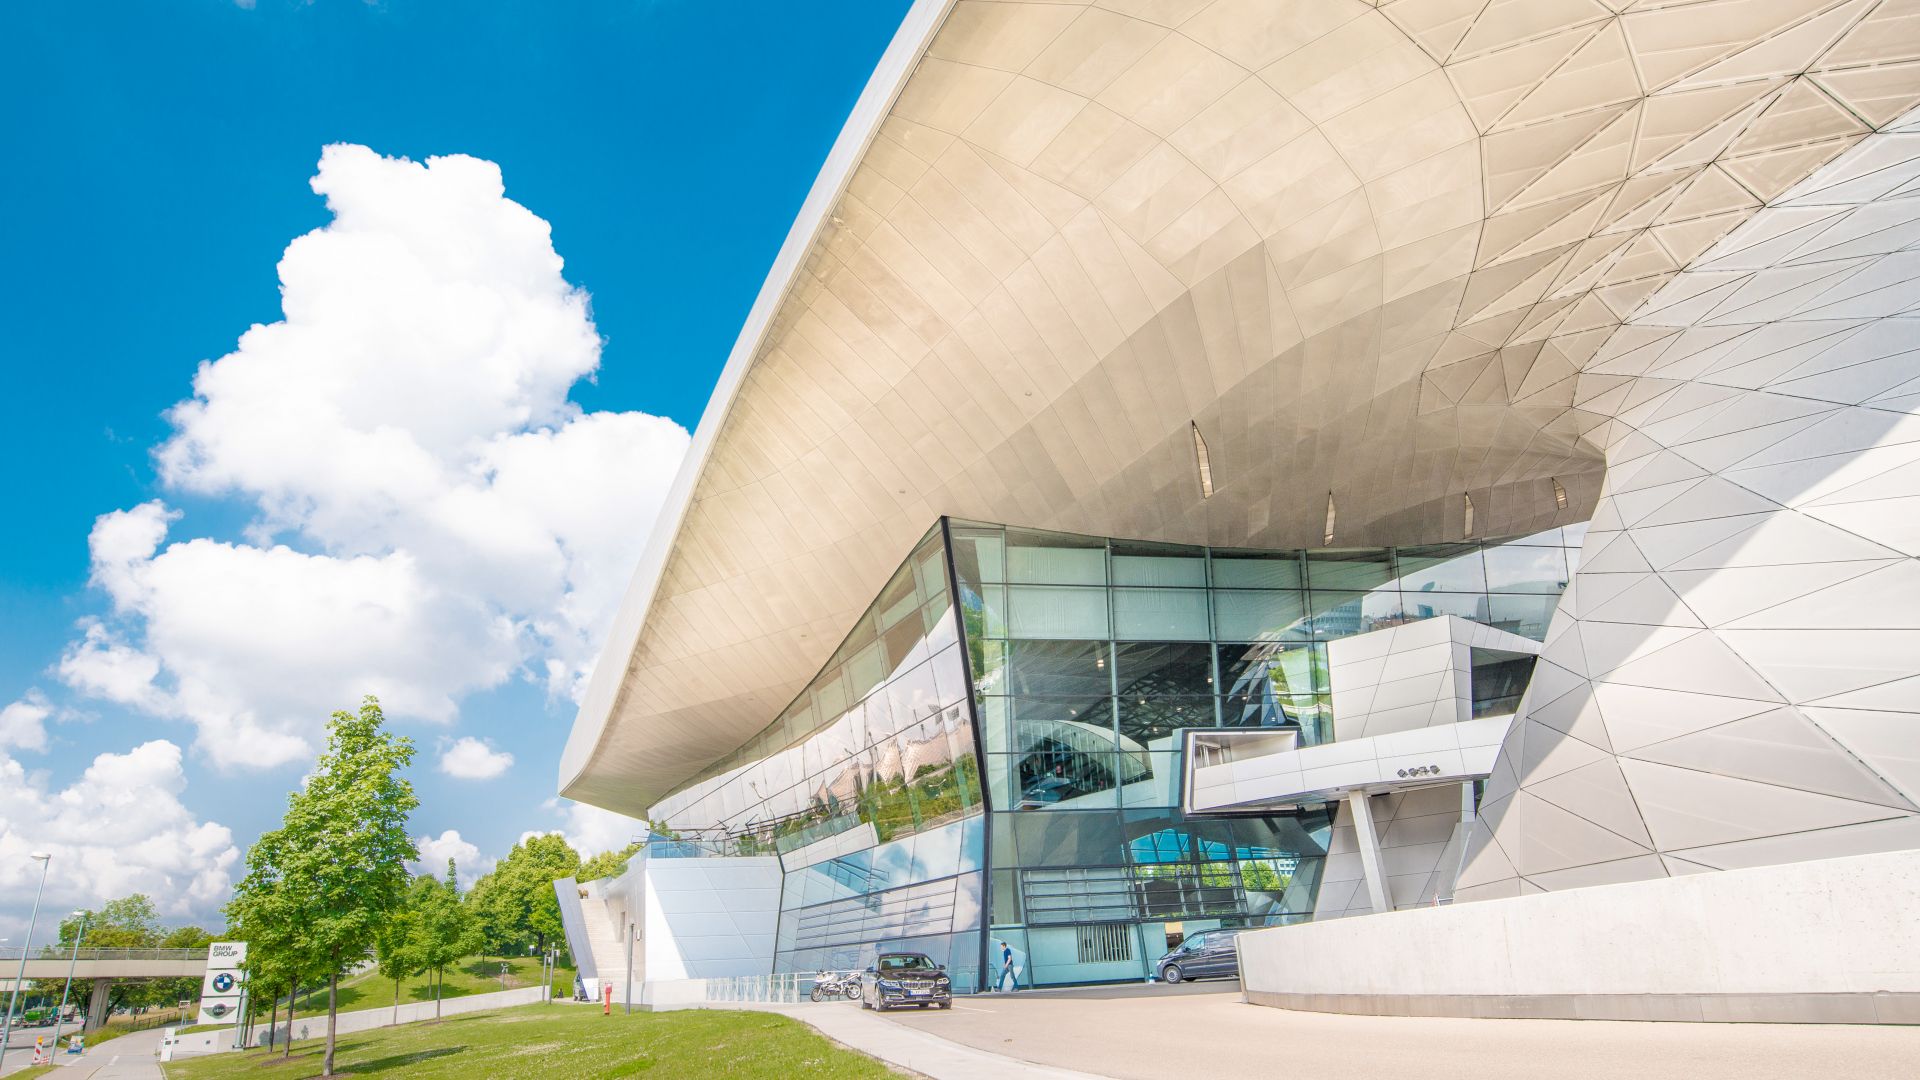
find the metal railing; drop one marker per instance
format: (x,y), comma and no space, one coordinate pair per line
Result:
(790,988)
(56,952)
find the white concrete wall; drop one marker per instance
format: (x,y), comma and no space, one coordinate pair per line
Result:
(314,1025)
(1420,841)
(1416,675)
(1443,752)
(710,918)
(1829,927)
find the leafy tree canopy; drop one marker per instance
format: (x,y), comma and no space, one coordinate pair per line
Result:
(127,923)
(515,904)
(607,864)
(320,888)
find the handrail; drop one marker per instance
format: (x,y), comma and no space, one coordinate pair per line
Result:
(57,952)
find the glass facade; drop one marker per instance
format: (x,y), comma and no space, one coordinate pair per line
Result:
(867,788)
(1089,655)
(1007,767)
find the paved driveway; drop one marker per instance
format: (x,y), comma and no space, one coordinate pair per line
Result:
(1203,1030)
(129,1057)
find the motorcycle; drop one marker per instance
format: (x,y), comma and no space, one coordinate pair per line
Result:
(831,984)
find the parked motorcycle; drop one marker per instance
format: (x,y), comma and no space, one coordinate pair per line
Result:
(833,984)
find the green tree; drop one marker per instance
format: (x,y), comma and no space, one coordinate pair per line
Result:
(607,864)
(270,915)
(342,849)
(129,922)
(515,905)
(444,929)
(396,950)
(170,991)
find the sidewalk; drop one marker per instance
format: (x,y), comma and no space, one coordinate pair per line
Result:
(129,1057)
(922,1052)
(1152,1032)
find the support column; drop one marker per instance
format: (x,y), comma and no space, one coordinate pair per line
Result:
(97,1004)
(1369,844)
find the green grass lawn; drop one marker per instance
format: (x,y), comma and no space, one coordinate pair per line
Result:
(474,975)
(126,1025)
(573,1041)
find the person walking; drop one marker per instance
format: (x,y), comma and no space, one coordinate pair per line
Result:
(1007,970)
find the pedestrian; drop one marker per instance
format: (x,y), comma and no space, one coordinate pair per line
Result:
(1007,970)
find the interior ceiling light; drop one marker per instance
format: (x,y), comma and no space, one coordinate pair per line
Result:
(1469,521)
(1200,455)
(1559,493)
(1328,538)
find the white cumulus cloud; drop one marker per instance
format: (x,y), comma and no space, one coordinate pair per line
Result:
(592,830)
(118,829)
(431,514)
(468,758)
(468,864)
(23,723)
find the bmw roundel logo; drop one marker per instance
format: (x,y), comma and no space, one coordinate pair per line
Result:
(223,982)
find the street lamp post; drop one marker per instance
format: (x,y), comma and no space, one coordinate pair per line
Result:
(60,1014)
(6,1030)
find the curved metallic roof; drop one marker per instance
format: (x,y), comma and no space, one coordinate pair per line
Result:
(1364,249)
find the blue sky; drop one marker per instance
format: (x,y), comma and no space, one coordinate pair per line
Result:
(160,158)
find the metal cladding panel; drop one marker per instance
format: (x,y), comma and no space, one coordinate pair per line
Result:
(1378,257)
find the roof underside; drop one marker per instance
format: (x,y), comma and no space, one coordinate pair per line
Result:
(1365,248)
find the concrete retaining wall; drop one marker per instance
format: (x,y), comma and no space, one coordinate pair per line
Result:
(1828,941)
(314,1025)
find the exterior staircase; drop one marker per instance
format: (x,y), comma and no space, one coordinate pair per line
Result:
(593,937)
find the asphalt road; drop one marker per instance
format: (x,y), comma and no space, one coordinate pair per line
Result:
(1204,1030)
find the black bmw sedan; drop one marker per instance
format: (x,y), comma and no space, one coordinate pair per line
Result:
(905,978)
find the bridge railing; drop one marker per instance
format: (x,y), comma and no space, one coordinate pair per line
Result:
(13,953)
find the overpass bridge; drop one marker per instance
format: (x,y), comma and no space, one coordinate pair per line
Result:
(50,962)
(103,966)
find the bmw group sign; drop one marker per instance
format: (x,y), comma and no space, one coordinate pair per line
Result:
(220,993)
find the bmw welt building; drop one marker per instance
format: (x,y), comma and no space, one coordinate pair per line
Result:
(1254,463)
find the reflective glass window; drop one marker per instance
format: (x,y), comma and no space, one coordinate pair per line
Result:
(1441,568)
(985,610)
(1146,719)
(996,722)
(1055,559)
(1426,605)
(1158,565)
(1349,570)
(1043,611)
(1266,668)
(1059,668)
(1006,899)
(913,695)
(1069,838)
(989,659)
(1256,570)
(937,618)
(1160,614)
(1055,725)
(867,670)
(1151,669)
(1342,614)
(949,679)
(979,554)
(1528,616)
(1515,569)
(1259,616)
